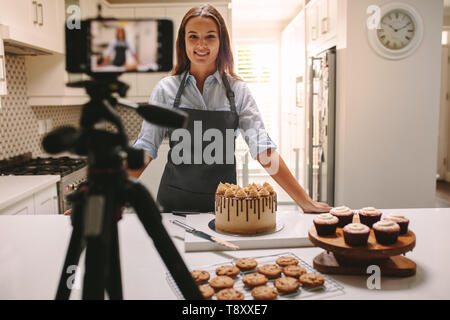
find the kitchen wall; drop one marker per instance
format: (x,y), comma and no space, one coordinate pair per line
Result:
(387,115)
(19,121)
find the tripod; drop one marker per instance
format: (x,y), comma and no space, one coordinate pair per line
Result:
(97,206)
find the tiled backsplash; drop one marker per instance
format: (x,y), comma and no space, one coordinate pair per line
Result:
(19,122)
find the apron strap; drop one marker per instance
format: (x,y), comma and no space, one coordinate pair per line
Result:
(177,100)
(230,93)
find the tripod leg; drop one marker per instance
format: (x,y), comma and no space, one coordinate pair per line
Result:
(76,246)
(113,280)
(150,217)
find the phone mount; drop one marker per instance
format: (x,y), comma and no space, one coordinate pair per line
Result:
(98,204)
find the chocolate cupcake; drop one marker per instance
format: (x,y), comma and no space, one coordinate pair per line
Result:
(400,219)
(326,224)
(356,234)
(344,214)
(369,215)
(386,231)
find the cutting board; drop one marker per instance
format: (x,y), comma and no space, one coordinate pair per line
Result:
(293,234)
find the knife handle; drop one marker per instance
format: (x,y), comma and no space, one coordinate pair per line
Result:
(184,226)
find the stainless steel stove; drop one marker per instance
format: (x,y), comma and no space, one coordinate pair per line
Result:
(73,172)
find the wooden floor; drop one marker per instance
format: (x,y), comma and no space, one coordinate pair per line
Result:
(442,195)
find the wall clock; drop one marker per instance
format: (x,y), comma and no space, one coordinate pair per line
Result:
(399,32)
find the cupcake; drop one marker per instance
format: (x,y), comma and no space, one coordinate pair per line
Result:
(386,231)
(344,214)
(369,215)
(326,224)
(356,234)
(400,219)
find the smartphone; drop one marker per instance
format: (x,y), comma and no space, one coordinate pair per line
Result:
(102,46)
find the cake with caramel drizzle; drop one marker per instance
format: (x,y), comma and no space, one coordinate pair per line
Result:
(248,210)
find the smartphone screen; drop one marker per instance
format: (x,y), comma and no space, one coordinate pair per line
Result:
(124,46)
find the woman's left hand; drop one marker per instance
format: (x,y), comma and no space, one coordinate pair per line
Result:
(315,207)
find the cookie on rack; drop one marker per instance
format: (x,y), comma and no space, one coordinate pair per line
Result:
(206,291)
(286,284)
(200,276)
(254,279)
(294,271)
(264,293)
(230,294)
(227,270)
(270,270)
(285,261)
(246,263)
(312,280)
(221,282)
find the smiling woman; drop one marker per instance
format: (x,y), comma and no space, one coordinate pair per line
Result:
(203,84)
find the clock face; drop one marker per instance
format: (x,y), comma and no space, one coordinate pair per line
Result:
(397,30)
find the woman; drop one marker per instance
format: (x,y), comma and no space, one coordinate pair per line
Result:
(204,85)
(117,50)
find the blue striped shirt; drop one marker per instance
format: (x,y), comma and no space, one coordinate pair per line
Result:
(213,99)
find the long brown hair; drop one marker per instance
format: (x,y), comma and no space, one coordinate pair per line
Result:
(224,61)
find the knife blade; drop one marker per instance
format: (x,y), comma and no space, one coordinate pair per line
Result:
(204,235)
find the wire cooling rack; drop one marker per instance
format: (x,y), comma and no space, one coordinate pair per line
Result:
(329,288)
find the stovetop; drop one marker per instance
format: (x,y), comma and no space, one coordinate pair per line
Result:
(25,165)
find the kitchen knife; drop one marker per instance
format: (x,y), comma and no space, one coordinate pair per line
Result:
(204,235)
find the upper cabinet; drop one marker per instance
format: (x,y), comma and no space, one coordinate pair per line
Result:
(33,23)
(321,24)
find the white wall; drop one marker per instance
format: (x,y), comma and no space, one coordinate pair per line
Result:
(387,115)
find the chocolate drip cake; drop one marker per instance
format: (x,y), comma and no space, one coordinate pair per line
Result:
(248,210)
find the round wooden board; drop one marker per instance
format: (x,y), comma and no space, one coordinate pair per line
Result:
(372,251)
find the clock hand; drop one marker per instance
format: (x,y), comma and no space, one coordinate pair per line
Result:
(404,26)
(390,26)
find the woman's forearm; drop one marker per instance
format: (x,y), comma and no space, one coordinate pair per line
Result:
(278,170)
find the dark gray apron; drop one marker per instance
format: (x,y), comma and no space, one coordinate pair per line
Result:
(120,55)
(191,186)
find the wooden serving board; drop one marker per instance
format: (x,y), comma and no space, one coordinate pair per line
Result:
(341,258)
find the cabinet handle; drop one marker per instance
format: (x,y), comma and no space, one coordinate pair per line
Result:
(324,25)
(42,14)
(35,20)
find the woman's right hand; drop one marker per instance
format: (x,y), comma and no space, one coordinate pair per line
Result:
(315,207)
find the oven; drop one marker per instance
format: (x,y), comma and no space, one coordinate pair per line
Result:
(72,171)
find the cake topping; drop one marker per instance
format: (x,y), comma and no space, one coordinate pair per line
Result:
(385,223)
(241,193)
(269,188)
(221,188)
(356,227)
(341,209)
(325,217)
(253,193)
(263,193)
(396,217)
(370,210)
(229,192)
(259,187)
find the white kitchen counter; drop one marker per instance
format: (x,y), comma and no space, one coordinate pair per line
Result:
(32,250)
(15,188)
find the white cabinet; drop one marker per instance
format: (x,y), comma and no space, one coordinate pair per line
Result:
(46,201)
(35,23)
(24,206)
(42,202)
(321,24)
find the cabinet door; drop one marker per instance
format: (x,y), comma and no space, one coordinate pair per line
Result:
(323,18)
(50,24)
(3,90)
(19,14)
(312,16)
(25,206)
(46,201)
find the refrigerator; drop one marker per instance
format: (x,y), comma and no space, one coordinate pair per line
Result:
(321,114)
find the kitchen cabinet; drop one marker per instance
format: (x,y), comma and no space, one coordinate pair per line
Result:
(24,206)
(46,201)
(321,24)
(28,195)
(42,202)
(34,23)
